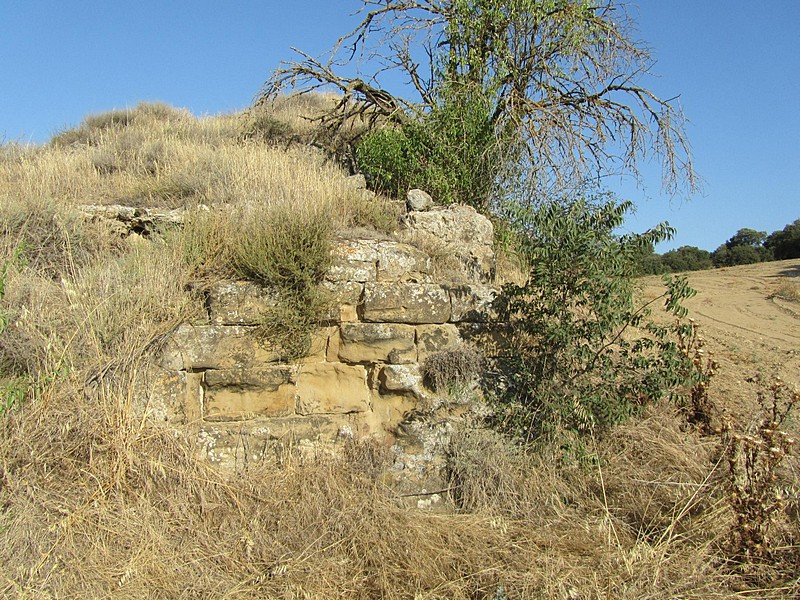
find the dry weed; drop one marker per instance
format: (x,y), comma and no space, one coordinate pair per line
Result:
(788,290)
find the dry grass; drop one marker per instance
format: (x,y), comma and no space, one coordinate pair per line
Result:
(98,502)
(157,156)
(99,498)
(788,290)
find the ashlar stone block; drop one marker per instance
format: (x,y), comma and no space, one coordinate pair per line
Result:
(377,342)
(435,338)
(239,303)
(193,347)
(401,379)
(331,388)
(405,303)
(472,303)
(402,262)
(354,260)
(247,393)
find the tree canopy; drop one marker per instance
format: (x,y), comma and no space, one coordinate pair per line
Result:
(559,84)
(786,242)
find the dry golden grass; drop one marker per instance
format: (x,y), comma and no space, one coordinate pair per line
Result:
(100,499)
(788,290)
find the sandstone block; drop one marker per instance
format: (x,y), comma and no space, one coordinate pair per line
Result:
(239,303)
(247,393)
(320,339)
(325,388)
(354,260)
(472,303)
(401,379)
(405,303)
(377,342)
(435,338)
(193,347)
(345,297)
(402,262)
(460,230)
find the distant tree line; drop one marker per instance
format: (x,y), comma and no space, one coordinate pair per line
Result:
(747,246)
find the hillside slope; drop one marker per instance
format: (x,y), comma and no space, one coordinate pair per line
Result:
(751,323)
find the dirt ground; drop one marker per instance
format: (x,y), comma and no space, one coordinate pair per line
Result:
(747,327)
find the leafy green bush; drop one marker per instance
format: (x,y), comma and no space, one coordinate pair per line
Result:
(452,152)
(687,258)
(388,160)
(583,356)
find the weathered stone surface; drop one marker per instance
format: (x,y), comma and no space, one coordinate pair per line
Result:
(357,181)
(377,342)
(345,297)
(405,303)
(402,262)
(325,388)
(216,347)
(239,303)
(318,347)
(435,338)
(237,444)
(460,230)
(472,303)
(418,200)
(247,393)
(164,394)
(401,379)
(354,260)
(134,220)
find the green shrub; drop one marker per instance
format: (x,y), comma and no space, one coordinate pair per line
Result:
(575,364)
(452,152)
(388,160)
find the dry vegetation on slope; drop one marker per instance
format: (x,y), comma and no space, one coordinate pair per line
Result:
(97,500)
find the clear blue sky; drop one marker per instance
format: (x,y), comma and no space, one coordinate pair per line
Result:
(735,64)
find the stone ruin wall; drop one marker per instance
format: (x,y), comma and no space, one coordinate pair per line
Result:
(362,376)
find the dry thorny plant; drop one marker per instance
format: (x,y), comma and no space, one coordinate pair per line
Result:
(760,489)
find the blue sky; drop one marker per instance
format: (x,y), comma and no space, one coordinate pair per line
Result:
(735,65)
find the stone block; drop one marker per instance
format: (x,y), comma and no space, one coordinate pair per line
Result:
(192,347)
(435,338)
(472,303)
(239,303)
(345,297)
(402,262)
(247,393)
(331,388)
(401,379)
(320,339)
(354,260)
(377,342)
(461,230)
(405,303)
(418,200)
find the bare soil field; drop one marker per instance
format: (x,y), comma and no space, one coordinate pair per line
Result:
(750,318)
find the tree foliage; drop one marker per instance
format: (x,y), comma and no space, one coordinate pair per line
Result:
(686,258)
(745,247)
(574,364)
(786,242)
(560,82)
